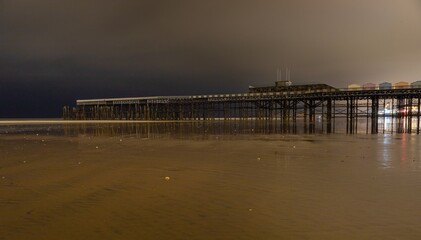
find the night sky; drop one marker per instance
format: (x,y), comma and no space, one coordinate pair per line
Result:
(54,52)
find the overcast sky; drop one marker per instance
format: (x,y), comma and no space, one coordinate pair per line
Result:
(54,52)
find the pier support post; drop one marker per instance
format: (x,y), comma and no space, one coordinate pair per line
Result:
(329,116)
(374,114)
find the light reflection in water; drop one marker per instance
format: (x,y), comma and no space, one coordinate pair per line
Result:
(399,151)
(386,125)
(385,157)
(403,149)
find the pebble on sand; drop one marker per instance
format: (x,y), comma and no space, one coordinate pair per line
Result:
(167,178)
(96,147)
(258,159)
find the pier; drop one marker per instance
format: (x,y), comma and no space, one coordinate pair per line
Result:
(287,107)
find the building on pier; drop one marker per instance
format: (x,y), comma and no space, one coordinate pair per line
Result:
(385,85)
(369,86)
(287,86)
(416,84)
(401,84)
(354,86)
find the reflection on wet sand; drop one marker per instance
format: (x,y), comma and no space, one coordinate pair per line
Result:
(203,128)
(204,181)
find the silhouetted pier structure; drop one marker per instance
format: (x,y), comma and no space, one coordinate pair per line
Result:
(286,107)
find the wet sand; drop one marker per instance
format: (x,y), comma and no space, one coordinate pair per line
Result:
(214,187)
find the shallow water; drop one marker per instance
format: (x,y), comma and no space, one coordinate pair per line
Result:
(189,181)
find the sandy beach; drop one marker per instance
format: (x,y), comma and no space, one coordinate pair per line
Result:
(208,186)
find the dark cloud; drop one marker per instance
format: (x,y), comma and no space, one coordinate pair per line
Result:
(93,48)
